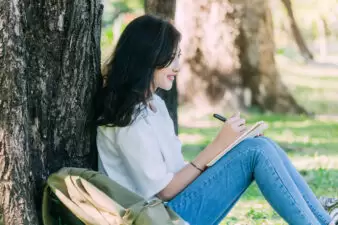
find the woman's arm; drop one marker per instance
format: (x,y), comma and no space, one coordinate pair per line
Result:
(186,175)
(230,131)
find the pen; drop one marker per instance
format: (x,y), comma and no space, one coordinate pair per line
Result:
(221,118)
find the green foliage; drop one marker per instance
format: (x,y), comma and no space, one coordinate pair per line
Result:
(107,37)
(135,4)
(256,215)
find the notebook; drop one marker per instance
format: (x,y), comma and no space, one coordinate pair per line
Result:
(255,130)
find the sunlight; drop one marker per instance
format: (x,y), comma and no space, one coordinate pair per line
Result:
(315,162)
(191,138)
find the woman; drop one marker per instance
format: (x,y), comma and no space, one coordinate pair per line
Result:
(138,147)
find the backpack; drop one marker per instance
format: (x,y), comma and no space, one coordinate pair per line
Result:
(77,196)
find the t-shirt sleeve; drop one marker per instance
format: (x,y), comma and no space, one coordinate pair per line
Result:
(142,155)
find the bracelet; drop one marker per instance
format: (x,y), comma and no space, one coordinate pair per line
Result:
(196,167)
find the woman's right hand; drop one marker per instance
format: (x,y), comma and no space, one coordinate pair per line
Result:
(231,130)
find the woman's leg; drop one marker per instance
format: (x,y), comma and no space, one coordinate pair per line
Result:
(211,196)
(303,187)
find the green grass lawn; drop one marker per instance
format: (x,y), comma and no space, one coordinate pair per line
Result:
(311,143)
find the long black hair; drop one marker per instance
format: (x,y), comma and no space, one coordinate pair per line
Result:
(146,44)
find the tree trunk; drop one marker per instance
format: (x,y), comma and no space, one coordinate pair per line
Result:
(322,31)
(304,50)
(49,73)
(228,56)
(166,9)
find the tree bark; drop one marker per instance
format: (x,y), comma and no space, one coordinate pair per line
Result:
(50,71)
(322,33)
(303,48)
(166,9)
(228,56)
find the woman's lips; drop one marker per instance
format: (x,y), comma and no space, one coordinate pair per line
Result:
(171,77)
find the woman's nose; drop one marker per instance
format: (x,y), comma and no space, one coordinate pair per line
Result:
(176,70)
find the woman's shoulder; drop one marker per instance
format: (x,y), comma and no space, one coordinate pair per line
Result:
(136,128)
(139,118)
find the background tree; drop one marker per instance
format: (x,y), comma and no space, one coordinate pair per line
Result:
(228,53)
(49,73)
(166,9)
(303,49)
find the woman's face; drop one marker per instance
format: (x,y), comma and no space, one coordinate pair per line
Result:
(164,78)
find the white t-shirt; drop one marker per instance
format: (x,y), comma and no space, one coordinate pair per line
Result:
(143,156)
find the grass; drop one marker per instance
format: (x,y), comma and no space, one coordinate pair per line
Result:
(311,143)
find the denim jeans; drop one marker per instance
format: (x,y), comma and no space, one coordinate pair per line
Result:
(209,198)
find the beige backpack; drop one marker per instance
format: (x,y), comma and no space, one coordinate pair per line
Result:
(75,196)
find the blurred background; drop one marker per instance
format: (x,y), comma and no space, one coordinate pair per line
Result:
(273,60)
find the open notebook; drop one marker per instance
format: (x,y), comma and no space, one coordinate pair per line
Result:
(255,130)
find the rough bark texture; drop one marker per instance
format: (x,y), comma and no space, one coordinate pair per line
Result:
(304,50)
(166,9)
(228,56)
(49,73)
(323,34)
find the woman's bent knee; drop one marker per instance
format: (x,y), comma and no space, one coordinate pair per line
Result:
(250,149)
(256,144)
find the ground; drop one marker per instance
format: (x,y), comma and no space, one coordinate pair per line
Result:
(311,142)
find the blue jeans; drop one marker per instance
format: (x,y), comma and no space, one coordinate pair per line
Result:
(209,198)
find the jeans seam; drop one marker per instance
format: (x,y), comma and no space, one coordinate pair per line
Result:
(316,212)
(284,186)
